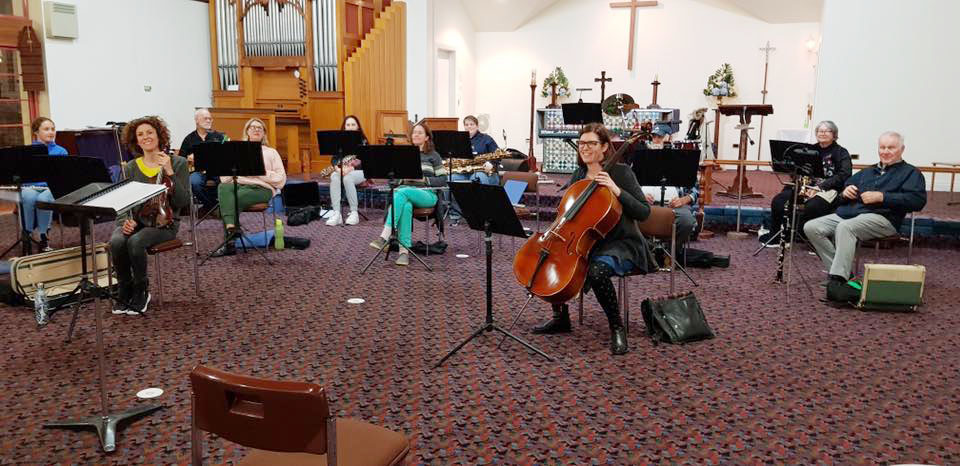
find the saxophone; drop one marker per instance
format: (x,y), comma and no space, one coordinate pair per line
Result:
(476,164)
(346,161)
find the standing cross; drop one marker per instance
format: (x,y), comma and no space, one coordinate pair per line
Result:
(766,65)
(632,5)
(603,80)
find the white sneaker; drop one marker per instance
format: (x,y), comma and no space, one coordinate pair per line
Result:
(335,219)
(353,218)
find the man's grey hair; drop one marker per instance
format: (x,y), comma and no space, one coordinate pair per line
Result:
(830,126)
(892,134)
(199,111)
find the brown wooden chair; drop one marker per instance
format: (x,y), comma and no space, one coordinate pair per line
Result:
(174,244)
(425,215)
(532,187)
(660,224)
(286,423)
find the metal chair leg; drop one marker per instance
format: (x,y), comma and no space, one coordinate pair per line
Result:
(156,264)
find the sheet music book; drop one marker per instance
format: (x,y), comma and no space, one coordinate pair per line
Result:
(123,196)
(655,192)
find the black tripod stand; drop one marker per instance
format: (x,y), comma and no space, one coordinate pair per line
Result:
(234,159)
(799,161)
(487,208)
(451,145)
(393,163)
(106,423)
(18,165)
(668,167)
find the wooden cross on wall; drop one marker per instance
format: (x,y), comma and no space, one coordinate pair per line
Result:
(603,80)
(633,5)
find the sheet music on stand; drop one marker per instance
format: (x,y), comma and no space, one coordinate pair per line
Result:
(124,196)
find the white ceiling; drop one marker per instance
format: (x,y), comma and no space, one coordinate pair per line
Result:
(503,15)
(783,11)
(508,15)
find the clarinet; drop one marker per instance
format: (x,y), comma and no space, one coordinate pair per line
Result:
(783,238)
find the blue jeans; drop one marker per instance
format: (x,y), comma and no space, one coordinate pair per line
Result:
(34,218)
(205,195)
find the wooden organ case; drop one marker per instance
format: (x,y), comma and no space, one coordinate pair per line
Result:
(301,65)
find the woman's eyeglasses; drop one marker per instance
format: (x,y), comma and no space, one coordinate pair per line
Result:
(588,143)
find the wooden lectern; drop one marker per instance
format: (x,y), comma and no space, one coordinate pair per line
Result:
(745,112)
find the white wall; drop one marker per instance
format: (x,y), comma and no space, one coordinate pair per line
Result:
(892,65)
(124,45)
(454,31)
(684,41)
(419,57)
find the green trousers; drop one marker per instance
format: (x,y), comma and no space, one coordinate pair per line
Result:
(406,199)
(247,195)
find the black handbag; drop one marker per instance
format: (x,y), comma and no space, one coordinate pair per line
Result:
(675,319)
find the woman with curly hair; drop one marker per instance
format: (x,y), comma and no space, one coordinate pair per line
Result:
(250,189)
(150,223)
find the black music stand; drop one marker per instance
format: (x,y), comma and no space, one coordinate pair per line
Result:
(581,114)
(106,423)
(339,143)
(19,165)
(667,167)
(232,158)
(452,145)
(487,209)
(795,159)
(393,163)
(798,160)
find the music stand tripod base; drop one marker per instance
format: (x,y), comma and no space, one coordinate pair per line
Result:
(106,426)
(487,208)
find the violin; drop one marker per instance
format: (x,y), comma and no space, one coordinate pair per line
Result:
(553,265)
(158,212)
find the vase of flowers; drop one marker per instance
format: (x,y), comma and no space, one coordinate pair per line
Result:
(720,84)
(558,86)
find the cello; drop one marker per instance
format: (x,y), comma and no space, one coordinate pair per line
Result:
(553,265)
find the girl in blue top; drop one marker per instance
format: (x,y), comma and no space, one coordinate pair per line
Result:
(44,132)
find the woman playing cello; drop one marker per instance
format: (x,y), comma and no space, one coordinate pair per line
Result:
(621,250)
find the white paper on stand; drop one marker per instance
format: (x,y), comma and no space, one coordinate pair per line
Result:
(126,196)
(655,192)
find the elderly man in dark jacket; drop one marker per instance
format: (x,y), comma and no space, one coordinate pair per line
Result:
(873,205)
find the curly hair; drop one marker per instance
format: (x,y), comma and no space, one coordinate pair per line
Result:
(129,137)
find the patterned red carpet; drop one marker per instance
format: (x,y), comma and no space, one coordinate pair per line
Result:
(787,380)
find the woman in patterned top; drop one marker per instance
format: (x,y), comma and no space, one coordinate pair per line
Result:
(406,198)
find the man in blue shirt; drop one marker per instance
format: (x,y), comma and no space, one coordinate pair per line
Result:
(873,204)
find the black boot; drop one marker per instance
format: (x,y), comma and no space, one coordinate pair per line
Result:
(559,324)
(27,243)
(618,335)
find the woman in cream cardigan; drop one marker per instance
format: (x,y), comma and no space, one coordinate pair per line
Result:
(251,189)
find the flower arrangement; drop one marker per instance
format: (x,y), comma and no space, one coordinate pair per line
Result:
(721,83)
(563,85)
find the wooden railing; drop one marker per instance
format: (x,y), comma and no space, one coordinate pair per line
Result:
(710,166)
(374,77)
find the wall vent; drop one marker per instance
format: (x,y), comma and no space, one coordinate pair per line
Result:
(60,20)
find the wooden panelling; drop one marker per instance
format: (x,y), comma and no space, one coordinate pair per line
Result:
(10,27)
(375,75)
